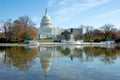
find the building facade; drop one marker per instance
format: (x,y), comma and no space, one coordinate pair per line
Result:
(46,30)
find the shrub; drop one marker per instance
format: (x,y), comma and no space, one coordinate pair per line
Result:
(57,41)
(117,40)
(97,40)
(2,40)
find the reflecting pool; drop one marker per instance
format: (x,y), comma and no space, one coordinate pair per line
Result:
(59,63)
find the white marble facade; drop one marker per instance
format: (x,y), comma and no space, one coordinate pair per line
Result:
(46,29)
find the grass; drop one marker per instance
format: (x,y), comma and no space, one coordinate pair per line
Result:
(45,40)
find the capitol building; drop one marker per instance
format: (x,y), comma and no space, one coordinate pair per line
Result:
(46,30)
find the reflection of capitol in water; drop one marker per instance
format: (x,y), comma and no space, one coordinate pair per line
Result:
(2,55)
(45,59)
(46,55)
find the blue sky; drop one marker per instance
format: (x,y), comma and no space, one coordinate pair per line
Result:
(64,13)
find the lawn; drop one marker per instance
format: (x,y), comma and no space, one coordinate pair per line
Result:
(45,40)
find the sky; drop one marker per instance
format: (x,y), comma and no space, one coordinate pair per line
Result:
(64,13)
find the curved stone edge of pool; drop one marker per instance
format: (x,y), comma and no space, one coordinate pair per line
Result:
(58,44)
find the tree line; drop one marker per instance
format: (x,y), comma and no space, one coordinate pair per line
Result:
(17,30)
(106,32)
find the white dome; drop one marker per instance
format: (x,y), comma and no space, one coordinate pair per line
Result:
(46,21)
(46,63)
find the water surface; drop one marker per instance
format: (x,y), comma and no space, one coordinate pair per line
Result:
(59,63)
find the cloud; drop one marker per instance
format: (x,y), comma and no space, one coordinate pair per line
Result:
(65,10)
(36,20)
(64,2)
(50,2)
(54,3)
(117,11)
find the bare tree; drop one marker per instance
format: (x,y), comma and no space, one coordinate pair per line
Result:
(107,29)
(5,26)
(26,21)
